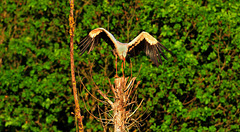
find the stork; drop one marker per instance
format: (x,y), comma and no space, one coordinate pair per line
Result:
(144,41)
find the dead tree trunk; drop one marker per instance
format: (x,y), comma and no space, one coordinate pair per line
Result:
(122,93)
(119,114)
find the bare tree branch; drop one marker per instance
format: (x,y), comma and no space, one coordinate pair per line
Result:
(77,108)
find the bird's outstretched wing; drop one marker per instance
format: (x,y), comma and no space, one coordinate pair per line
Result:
(153,48)
(93,38)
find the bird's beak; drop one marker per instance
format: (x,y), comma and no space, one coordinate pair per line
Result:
(124,62)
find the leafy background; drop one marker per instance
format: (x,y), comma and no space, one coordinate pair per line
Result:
(197,88)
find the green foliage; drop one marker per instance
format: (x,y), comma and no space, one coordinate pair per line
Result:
(197,89)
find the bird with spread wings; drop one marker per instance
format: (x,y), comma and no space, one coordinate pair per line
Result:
(144,41)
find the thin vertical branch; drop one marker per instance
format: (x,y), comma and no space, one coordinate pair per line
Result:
(77,108)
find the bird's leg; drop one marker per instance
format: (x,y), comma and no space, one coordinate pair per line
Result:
(116,56)
(122,66)
(116,76)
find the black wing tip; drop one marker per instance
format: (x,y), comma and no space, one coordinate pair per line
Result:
(84,44)
(81,42)
(157,64)
(159,47)
(159,44)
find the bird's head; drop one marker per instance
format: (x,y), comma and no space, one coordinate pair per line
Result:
(124,54)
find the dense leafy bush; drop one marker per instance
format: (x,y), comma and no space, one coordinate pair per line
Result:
(196,89)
